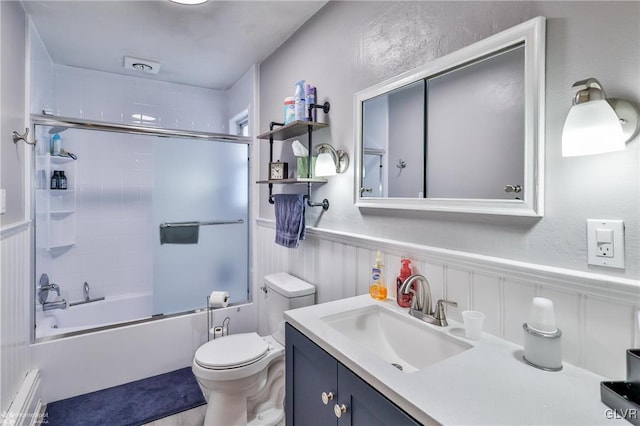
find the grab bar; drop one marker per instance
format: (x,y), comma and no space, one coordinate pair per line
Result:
(213,222)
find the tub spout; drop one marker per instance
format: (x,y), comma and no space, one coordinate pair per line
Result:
(59,304)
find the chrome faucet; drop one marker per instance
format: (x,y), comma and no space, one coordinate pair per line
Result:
(58,304)
(44,288)
(421,302)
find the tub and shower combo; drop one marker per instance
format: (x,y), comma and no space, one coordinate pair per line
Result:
(147,222)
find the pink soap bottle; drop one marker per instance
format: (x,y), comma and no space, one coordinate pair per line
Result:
(404,300)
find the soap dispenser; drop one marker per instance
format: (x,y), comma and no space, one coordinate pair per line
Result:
(404,300)
(378,288)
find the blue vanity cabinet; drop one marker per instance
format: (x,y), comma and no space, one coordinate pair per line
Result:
(311,372)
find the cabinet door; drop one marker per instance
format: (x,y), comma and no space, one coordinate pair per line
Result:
(310,372)
(365,406)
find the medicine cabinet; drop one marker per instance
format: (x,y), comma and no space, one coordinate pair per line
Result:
(463,133)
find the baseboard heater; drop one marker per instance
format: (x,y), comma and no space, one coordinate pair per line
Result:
(26,406)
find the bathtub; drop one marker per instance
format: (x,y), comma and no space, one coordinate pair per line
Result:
(111,310)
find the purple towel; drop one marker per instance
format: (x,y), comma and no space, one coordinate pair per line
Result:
(289,219)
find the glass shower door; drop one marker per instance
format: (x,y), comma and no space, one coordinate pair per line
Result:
(208,182)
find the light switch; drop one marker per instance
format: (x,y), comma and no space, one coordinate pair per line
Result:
(3,201)
(605,243)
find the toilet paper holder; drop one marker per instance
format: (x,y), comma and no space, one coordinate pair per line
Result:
(219,330)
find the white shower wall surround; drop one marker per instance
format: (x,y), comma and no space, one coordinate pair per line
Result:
(596,313)
(93,95)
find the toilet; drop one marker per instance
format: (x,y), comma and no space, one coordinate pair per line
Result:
(242,375)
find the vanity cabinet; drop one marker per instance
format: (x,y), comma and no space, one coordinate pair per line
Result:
(320,390)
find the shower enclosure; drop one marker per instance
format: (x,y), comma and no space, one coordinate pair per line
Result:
(102,204)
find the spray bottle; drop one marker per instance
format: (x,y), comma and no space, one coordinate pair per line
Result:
(378,288)
(299,101)
(404,300)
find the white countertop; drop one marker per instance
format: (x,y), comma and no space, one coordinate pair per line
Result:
(489,384)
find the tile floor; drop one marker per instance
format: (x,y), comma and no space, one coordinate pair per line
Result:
(193,417)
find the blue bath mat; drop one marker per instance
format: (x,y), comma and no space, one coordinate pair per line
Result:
(130,404)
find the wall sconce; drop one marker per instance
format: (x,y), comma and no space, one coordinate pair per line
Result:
(330,161)
(596,124)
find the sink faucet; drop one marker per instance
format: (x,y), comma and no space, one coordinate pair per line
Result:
(422,299)
(421,302)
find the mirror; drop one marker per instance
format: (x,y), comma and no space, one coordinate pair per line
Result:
(463,133)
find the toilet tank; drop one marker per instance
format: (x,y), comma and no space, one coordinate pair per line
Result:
(284,292)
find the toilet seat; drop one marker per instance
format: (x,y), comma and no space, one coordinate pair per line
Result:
(234,351)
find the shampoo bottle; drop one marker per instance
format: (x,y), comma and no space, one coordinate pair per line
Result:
(378,288)
(56,144)
(404,300)
(299,101)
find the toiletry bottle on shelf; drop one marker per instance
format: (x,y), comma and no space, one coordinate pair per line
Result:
(55,179)
(62,180)
(289,109)
(56,144)
(309,99)
(404,300)
(299,101)
(378,288)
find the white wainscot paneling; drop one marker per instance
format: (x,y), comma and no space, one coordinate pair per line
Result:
(14,310)
(608,334)
(487,291)
(516,305)
(596,313)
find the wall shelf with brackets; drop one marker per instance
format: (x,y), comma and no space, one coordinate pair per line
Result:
(282,132)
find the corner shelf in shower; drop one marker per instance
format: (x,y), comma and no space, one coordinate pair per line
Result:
(284,132)
(55,220)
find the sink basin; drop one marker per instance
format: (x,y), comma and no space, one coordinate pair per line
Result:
(396,338)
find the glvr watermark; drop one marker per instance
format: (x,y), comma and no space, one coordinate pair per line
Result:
(622,414)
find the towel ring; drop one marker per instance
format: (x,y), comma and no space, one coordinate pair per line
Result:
(18,137)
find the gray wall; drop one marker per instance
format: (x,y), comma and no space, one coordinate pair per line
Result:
(12,105)
(349,46)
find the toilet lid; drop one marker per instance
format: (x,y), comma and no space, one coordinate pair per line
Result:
(232,351)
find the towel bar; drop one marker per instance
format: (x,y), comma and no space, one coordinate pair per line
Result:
(213,222)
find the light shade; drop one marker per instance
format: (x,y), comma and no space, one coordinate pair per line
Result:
(330,161)
(596,124)
(189,2)
(325,165)
(592,128)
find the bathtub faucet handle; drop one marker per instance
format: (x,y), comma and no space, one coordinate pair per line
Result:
(86,291)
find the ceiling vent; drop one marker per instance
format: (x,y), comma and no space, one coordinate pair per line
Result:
(141,65)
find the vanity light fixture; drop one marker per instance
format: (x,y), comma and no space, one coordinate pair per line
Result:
(596,124)
(330,161)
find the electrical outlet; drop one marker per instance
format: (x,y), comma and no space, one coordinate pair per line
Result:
(605,243)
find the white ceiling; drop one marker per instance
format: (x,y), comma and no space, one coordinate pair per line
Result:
(210,45)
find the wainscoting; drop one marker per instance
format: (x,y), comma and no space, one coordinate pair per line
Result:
(596,313)
(14,312)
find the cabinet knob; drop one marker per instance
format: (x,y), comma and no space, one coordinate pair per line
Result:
(326,397)
(339,410)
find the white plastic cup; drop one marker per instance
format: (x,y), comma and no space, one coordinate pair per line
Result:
(473,321)
(541,316)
